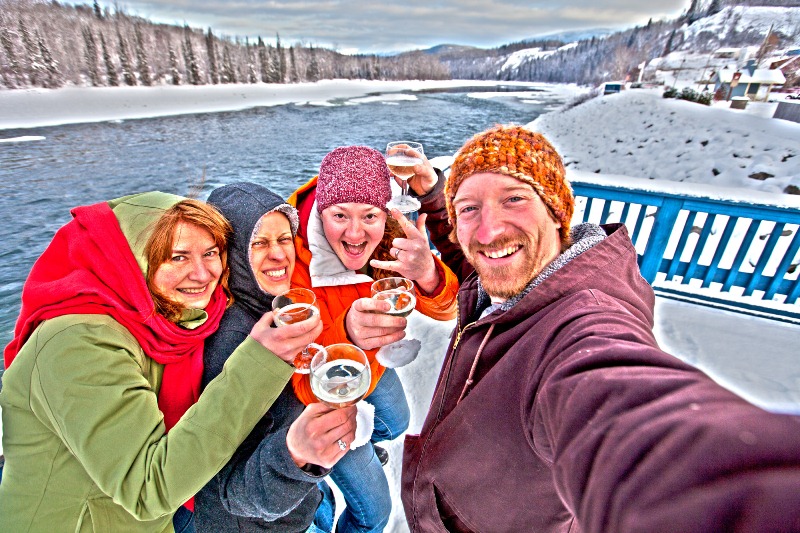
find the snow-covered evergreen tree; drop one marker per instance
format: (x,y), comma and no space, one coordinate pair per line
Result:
(274,66)
(52,78)
(175,71)
(294,77)
(281,59)
(228,71)
(142,64)
(211,52)
(90,54)
(14,76)
(312,73)
(125,62)
(190,59)
(263,60)
(35,65)
(111,72)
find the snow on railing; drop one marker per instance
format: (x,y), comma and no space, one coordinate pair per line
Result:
(731,249)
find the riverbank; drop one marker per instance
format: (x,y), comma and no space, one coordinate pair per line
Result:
(31,108)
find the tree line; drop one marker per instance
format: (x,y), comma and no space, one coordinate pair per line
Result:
(47,44)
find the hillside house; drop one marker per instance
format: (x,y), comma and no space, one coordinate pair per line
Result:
(754,83)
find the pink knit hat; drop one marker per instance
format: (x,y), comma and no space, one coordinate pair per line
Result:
(353,174)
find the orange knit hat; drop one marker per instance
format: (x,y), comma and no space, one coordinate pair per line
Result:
(519,153)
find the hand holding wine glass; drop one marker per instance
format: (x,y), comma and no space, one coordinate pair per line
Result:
(286,342)
(401,158)
(291,307)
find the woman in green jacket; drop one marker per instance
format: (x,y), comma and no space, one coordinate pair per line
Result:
(103,425)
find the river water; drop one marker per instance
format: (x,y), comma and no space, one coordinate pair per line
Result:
(281,147)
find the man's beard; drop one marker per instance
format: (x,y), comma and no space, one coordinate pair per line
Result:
(508,280)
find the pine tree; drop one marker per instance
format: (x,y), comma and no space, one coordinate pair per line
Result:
(90,54)
(274,66)
(211,51)
(668,45)
(294,77)
(252,74)
(52,76)
(281,59)
(312,73)
(192,68)
(15,77)
(35,65)
(97,12)
(175,72)
(263,60)
(125,62)
(228,71)
(111,71)
(141,57)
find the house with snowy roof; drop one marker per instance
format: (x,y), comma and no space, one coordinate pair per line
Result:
(751,82)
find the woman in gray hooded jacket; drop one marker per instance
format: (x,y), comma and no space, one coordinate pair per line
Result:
(274,482)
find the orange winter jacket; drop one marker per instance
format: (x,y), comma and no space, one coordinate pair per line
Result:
(334,301)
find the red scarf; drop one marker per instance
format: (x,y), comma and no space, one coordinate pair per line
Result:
(89,268)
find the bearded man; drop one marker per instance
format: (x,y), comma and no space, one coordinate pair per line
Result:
(555,409)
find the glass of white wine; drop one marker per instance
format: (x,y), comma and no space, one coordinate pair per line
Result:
(401,157)
(290,307)
(399,292)
(340,374)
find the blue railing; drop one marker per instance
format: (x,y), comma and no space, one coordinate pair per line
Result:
(729,249)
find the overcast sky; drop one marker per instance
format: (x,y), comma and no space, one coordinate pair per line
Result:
(371,26)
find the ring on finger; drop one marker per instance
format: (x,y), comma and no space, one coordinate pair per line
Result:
(342,444)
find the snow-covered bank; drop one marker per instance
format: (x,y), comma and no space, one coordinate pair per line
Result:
(638,133)
(30,108)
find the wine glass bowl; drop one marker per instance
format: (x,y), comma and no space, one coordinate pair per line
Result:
(340,374)
(398,291)
(291,307)
(401,157)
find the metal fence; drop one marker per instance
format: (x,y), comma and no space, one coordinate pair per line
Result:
(730,253)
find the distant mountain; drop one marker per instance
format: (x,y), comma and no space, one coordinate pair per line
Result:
(572,36)
(449,49)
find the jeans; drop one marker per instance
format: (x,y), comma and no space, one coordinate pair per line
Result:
(323,519)
(183,520)
(359,474)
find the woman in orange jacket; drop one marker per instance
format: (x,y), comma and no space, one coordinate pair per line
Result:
(346,241)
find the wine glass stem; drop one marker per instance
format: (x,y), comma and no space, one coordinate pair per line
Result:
(403,187)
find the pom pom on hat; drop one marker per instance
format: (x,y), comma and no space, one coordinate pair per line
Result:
(353,174)
(520,153)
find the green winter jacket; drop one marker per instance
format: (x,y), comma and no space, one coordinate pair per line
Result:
(85,442)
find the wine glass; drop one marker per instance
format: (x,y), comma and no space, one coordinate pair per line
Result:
(290,307)
(340,374)
(401,157)
(399,292)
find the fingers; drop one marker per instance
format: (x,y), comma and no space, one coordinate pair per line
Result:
(314,436)
(408,227)
(369,327)
(286,341)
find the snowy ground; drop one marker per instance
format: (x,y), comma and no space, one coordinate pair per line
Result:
(639,133)
(635,133)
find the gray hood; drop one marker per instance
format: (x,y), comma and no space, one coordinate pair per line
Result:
(243,204)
